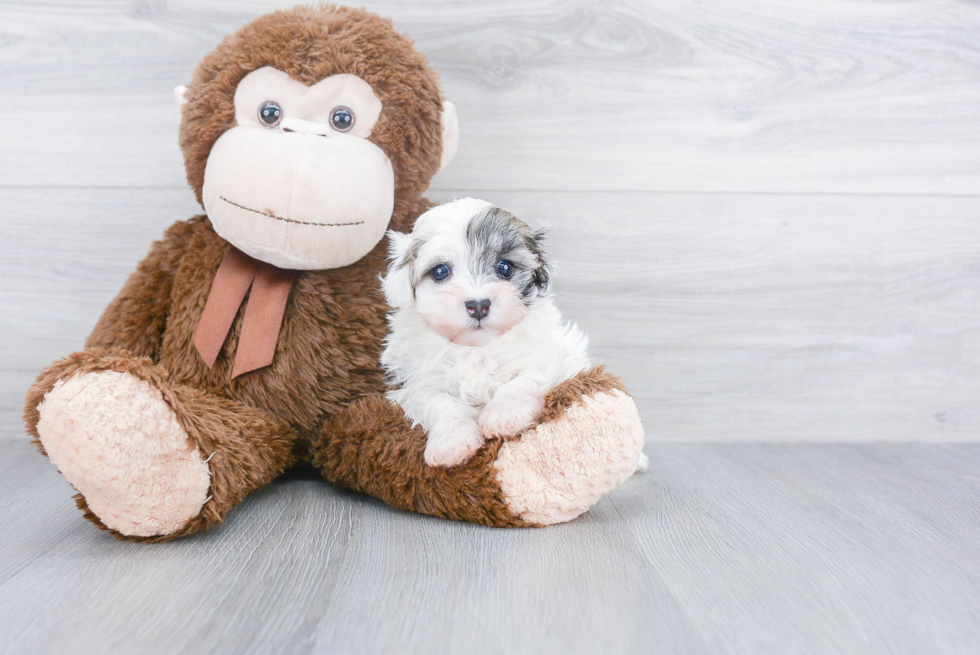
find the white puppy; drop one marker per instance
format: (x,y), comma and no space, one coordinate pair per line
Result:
(476,341)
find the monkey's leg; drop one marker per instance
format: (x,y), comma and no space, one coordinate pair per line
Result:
(586,443)
(151,460)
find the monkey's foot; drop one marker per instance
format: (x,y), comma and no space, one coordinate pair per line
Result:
(120,445)
(565,464)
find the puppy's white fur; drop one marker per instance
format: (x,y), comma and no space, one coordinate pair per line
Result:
(461,379)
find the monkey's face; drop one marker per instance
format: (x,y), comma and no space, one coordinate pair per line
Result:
(305,130)
(296,183)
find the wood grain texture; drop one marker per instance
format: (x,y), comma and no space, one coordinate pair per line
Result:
(771,318)
(717,549)
(731,317)
(764,96)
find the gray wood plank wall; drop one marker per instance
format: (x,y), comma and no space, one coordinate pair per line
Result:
(766,213)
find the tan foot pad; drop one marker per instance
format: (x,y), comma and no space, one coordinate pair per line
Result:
(119,444)
(561,468)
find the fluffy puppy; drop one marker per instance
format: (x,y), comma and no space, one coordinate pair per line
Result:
(476,340)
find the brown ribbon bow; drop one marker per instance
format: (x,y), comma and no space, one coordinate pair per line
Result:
(263,314)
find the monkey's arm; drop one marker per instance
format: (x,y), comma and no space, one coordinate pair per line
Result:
(585,444)
(136,318)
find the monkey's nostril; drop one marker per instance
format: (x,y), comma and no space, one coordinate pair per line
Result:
(286,129)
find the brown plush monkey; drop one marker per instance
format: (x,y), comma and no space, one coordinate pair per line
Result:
(247,341)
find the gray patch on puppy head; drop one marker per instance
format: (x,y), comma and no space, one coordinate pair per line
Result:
(496,234)
(542,274)
(408,259)
(412,252)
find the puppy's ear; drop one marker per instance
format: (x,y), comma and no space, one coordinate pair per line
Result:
(398,245)
(542,274)
(397,284)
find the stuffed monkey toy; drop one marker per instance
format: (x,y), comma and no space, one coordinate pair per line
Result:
(248,339)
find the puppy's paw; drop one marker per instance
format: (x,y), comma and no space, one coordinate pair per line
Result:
(449,447)
(506,417)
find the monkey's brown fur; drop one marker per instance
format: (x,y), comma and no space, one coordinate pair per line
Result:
(321,399)
(311,44)
(394,470)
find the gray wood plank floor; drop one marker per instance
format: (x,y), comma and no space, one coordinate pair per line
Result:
(719,548)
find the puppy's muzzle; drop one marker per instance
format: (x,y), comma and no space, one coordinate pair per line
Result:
(478,309)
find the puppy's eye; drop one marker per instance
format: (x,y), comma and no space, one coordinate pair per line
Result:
(342,119)
(440,272)
(505,269)
(270,113)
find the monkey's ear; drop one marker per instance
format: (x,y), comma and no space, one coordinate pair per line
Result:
(450,133)
(180,95)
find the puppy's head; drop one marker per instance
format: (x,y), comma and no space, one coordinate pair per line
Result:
(472,271)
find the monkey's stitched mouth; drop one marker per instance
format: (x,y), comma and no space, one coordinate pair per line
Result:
(288,220)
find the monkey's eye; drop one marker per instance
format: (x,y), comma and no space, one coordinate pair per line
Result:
(270,113)
(342,119)
(440,272)
(505,269)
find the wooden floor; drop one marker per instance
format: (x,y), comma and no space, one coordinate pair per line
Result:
(767,216)
(719,548)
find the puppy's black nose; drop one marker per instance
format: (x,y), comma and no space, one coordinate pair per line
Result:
(478,309)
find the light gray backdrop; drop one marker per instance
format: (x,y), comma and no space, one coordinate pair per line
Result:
(766,213)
